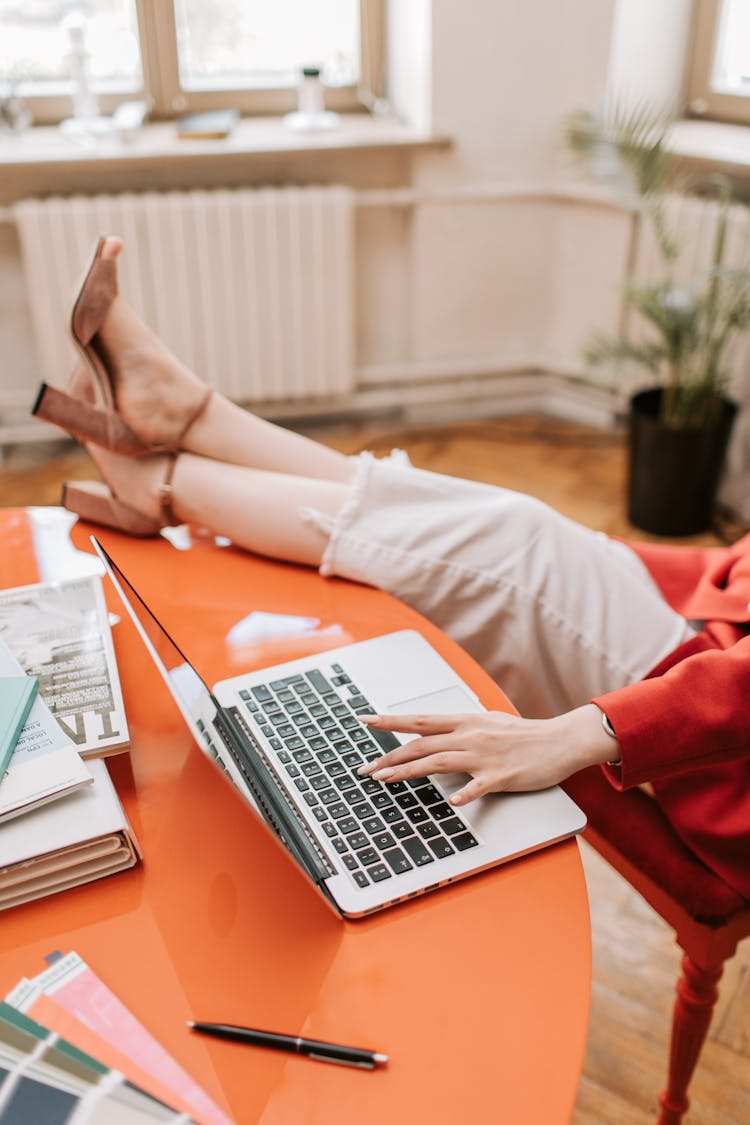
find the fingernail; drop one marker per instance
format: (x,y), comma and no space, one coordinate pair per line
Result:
(367,718)
(364,769)
(383,775)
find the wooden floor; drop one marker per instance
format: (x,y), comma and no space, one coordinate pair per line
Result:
(580,471)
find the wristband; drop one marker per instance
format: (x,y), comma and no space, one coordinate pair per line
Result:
(611,732)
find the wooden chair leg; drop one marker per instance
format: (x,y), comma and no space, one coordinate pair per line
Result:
(697,993)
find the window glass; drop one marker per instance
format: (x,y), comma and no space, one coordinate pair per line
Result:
(731,70)
(35,42)
(265,42)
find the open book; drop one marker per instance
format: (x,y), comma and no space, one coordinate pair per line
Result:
(59,632)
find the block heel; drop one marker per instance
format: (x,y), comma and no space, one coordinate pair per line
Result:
(87,422)
(93,501)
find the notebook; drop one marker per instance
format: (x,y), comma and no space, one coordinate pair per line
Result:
(290,739)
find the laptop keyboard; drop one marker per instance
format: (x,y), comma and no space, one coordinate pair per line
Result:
(379,831)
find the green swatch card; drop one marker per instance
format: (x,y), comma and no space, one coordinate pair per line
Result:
(17,693)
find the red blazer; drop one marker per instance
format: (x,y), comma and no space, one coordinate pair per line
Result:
(686,727)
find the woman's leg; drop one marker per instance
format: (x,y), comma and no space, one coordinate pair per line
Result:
(155,392)
(555,613)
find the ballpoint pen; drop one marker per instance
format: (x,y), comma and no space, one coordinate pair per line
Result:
(294,1044)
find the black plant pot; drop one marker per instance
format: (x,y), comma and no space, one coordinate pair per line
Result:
(674,472)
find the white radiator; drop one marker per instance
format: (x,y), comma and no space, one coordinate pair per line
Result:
(251,288)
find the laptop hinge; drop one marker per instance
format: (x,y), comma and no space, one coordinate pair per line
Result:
(247,755)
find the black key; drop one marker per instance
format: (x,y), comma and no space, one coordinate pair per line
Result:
(267,731)
(358,840)
(358,735)
(312,769)
(343,783)
(318,743)
(286,696)
(354,797)
(244,694)
(429,795)
(359,702)
(391,815)
(250,703)
(406,801)
(308,699)
(328,796)
(284,757)
(277,718)
(367,746)
(464,841)
(361,879)
(383,840)
(440,847)
(318,681)
(329,829)
(295,679)
(349,723)
(292,770)
(385,739)
(418,815)
(320,813)
(402,829)
(350,862)
(396,787)
(341,679)
(318,710)
(336,769)
(338,810)
(381,801)
(311,799)
(301,719)
(331,698)
(373,824)
(428,830)
(262,692)
(418,851)
(303,755)
(340,845)
(308,732)
(353,760)
(294,743)
(326,722)
(294,708)
(452,825)
(397,861)
(336,668)
(271,706)
(320,781)
(368,856)
(325,756)
(364,811)
(442,811)
(335,735)
(378,873)
(276,743)
(301,784)
(339,746)
(369,786)
(340,711)
(287,731)
(418,782)
(348,824)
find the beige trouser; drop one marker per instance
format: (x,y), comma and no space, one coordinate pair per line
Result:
(554,612)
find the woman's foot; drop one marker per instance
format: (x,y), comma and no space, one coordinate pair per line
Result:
(154,393)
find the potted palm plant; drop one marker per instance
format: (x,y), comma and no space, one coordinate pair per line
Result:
(679,426)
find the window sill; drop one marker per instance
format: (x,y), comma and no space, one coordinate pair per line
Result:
(44,159)
(713,146)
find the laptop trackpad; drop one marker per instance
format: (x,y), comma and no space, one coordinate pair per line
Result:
(447,701)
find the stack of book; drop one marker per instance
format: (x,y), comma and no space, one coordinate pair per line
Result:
(71,1053)
(61,822)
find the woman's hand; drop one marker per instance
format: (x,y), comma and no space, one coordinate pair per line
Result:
(503,753)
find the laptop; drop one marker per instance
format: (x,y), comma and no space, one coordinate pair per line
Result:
(290,739)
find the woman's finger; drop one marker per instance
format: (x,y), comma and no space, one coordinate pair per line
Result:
(413,751)
(446,761)
(413,724)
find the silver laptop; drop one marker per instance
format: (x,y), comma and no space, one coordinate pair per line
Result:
(290,739)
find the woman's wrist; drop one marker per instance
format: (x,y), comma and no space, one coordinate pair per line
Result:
(591,742)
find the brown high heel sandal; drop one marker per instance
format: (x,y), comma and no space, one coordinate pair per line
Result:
(95,502)
(87,410)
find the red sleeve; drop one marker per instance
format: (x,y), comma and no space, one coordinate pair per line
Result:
(693,712)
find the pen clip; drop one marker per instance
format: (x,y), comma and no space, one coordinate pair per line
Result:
(363,1064)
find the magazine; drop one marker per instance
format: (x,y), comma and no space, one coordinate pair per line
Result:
(59,632)
(44,764)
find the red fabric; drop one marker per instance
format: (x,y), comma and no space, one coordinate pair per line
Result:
(686,727)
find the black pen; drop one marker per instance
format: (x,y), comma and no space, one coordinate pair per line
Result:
(294,1044)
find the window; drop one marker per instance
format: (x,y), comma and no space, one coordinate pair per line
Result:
(720,73)
(190,54)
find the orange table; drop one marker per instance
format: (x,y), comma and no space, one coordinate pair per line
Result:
(478,992)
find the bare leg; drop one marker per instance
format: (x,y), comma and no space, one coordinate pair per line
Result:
(154,391)
(257,509)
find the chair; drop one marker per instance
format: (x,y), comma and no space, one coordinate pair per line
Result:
(708,916)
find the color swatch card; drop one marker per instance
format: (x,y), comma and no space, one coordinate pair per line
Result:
(71,1000)
(45,1080)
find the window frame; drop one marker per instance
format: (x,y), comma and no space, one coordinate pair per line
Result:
(166,99)
(704,102)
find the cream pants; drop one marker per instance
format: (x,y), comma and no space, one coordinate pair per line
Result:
(554,612)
